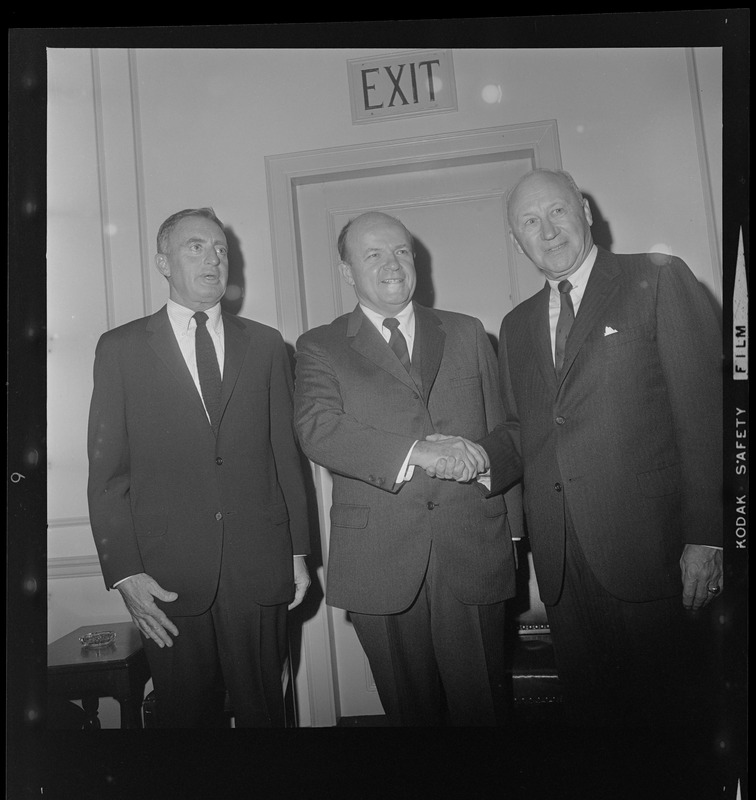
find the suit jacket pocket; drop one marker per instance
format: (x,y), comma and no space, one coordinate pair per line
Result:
(466,380)
(150,526)
(660,482)
(494,506)
(623,336)
(348,516)
(277,513)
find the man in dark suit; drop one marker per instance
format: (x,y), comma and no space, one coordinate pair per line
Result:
(196,494)
(619,422)
(423,564)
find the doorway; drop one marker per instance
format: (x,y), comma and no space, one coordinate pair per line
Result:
(449,191)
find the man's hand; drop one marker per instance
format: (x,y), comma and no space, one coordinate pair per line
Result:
(701,571)
(450,457)
(137,592)
(301,581)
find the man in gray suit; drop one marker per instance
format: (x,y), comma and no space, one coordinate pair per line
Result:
(423,564)
(611,382)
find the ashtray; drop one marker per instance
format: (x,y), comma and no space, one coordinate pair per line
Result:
(97,639)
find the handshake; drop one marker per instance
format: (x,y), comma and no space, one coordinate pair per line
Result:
(450,458)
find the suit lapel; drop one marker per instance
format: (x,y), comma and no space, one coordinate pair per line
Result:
(601,285)
(540,336)
(163,342)
(236,343)
(429,347)
(366,340)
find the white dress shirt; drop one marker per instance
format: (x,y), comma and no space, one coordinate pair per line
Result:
(184,326)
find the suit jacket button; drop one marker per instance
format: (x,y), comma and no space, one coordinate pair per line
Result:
(219,461)
(560,420)
(431,505)
(219,516)
(558,487)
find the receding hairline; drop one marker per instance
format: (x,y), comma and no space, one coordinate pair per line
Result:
(342,245)
(559,174)
(167,227)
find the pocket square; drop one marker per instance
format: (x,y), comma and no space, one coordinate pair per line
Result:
(609,331)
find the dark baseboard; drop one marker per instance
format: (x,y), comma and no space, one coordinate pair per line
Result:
(369,721)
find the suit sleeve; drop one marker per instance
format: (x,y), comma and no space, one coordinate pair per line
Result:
(288,459)
(109,469)
(689,342)
(503,443)
(506,466)
(332,436)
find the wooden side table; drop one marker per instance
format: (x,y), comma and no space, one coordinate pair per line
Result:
(119,670)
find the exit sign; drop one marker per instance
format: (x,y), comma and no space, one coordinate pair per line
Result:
(401,84)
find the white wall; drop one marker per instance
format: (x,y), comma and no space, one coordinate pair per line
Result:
(625,126)
(136,135)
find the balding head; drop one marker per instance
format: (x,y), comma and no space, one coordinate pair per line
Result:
(377,260)
(550,222)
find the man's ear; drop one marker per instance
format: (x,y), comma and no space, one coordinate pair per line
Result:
(346,272)
(516,244)
(587,211)
(163,267)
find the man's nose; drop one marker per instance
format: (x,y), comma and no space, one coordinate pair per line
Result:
(548,229)
(212,256)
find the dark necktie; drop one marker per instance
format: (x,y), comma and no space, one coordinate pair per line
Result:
(397,342)
(208,369)
(564,323)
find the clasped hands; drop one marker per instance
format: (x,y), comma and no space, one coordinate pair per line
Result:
(450,458)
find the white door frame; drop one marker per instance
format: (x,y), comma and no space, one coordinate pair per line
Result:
(317,694)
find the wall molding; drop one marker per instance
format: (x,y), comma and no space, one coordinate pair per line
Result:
(141,204)
(536,140)
(119,152)
(68,522)
(73,567)
(107,259)
(705,170)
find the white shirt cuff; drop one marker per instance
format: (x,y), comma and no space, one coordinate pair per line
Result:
(118,583)
(407,470)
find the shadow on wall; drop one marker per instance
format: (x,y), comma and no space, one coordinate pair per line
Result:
(600,231)
(424,291)
(602,236)
(315,594)
(234,297)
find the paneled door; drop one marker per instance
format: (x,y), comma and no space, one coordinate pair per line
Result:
(455,209)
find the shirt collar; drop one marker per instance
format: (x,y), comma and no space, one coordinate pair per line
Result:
(406,316)
(182,317)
